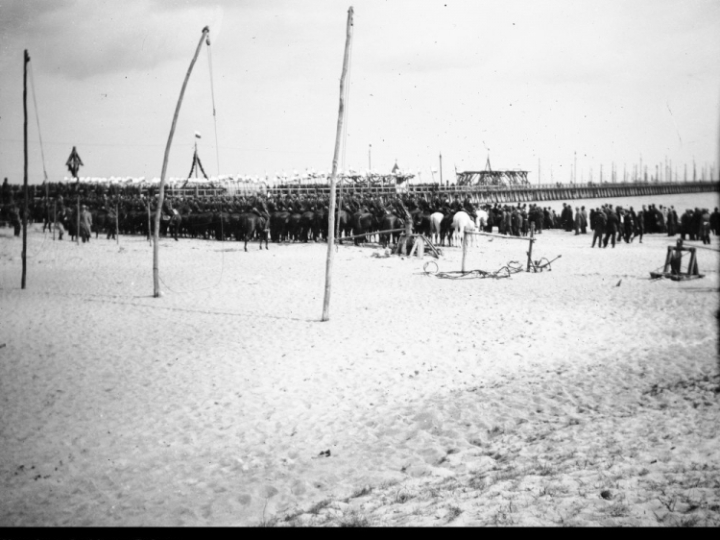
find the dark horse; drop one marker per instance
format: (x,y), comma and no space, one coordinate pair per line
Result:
(249,224)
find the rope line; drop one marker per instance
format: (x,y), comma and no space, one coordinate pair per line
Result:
(343,139)
(212,94)
(512,267)
(37,119)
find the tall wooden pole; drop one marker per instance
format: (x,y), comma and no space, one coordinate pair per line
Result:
(25,171)
(156,250)
(331,212)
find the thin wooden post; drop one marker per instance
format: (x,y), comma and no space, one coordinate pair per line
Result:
(26,59)
(77,224)
(156,251)
(333,178)
(532,232)
(464,251)
(54,225)
(117,222)
(222,230)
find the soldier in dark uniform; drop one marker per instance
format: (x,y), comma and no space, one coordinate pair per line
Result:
(111,216)
(260,208)
(469,208)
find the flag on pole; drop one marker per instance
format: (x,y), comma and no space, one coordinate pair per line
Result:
(197,135)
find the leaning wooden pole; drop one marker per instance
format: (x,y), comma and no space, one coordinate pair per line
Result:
(156,232)
(25,171)
(333,177)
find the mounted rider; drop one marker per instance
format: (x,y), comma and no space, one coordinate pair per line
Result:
(259,207)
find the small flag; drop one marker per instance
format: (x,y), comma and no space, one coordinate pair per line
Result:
(197,135)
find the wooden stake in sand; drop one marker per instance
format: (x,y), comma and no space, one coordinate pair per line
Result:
(77,225)
(333,178)
(156,233)
(25,173)
(117,224)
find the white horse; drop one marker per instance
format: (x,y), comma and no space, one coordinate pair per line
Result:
(462,222)
(435,223)
(482,219)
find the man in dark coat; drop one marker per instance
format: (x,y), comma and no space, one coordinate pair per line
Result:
(639,225)
(599,228)
(686,224)
(715,222)
(611,229)
(85,224)
(566,217)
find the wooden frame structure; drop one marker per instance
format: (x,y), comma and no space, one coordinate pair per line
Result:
(673,264)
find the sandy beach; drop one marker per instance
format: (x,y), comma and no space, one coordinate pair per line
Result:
(583,396)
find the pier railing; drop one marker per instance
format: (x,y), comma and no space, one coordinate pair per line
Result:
(491,194)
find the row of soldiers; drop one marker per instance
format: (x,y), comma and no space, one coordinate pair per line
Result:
(510,219)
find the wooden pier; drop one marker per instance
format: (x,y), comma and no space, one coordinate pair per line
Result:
(478,194)
(515,194)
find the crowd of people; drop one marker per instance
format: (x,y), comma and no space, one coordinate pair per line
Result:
(609,224)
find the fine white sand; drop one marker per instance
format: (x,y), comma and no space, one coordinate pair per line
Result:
(580,396)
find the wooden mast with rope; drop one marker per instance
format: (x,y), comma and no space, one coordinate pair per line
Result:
(26,59)
(156,233)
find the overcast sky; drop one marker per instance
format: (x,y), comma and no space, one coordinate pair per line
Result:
(523,81)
